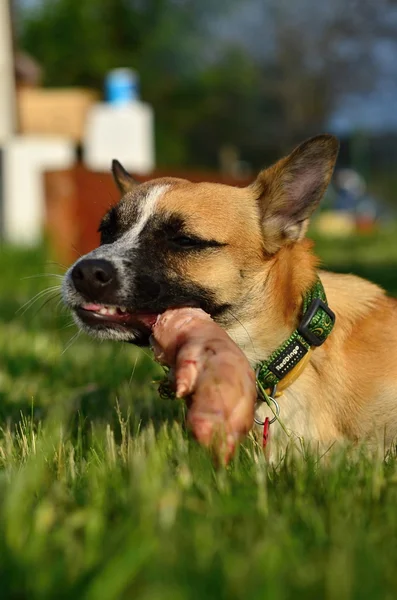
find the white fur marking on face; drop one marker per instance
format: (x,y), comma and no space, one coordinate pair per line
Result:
(148,209)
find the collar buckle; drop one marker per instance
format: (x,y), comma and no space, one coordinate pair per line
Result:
(317,322)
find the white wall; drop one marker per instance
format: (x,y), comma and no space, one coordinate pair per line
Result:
(24,162)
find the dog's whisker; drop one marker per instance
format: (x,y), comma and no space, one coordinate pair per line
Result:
(60,309)
(38,275)
(57,264)
(71,341)
(22,309)
(60,305)
(68,325)
(133,371)
(77,252)
(44,304)
(246,331)
(146,353)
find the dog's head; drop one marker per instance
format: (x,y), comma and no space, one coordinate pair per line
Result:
(171,243)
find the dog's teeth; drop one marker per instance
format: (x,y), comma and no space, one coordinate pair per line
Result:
(111,310)
(122,309)
(103,311)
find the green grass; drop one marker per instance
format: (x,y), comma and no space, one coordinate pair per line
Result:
(103,495)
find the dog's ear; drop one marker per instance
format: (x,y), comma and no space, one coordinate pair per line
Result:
(123,180)
(289,191)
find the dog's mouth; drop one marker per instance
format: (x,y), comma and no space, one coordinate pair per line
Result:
(119,317)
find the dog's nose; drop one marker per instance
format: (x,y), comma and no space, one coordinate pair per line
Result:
(94,278)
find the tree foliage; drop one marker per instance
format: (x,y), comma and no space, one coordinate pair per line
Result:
(259,75)
(166,41)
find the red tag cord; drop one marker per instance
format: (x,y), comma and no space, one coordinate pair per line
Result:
(266,431)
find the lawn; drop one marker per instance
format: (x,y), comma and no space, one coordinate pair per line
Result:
(104,496)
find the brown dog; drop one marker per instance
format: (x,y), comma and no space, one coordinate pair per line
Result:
(241,255)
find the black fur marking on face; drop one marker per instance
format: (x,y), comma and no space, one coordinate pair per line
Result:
(155,293)
(108,226)
(158,280)
(173,229)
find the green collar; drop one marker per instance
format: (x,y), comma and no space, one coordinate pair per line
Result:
(314,328)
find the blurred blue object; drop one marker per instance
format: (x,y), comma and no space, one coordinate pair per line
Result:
(350,188)
(121,86)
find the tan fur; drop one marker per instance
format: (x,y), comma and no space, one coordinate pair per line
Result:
(233,220)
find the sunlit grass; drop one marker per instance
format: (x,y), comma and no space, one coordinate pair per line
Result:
(103,495)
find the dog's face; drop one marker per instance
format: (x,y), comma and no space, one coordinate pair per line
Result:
(172,243)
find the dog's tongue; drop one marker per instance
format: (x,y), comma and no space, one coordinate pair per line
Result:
(92,307)
(147,319)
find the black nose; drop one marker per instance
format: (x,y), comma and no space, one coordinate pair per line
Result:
(96,279)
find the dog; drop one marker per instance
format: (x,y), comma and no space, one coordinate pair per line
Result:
(241,254)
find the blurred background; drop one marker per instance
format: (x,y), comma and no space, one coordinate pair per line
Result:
(195,88)
(102,495)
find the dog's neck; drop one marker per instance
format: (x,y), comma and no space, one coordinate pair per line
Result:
(276,301)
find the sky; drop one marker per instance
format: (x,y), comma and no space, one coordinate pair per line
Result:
(373,111)
(376,110)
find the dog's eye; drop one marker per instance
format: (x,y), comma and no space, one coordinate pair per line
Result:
(184,241)
(187,242)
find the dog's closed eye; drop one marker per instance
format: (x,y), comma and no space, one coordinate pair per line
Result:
(190,242)
(179,237)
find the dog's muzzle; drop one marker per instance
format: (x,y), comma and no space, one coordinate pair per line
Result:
(92,289)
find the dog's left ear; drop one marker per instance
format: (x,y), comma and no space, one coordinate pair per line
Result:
(123,180)
(289,191)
